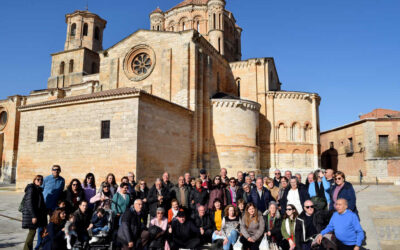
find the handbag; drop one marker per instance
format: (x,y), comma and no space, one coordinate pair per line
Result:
(238,245)
(264,245)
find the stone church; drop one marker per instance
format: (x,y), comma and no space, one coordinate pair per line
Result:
(177,97)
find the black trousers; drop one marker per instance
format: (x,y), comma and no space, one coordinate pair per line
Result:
(250,245)
(342,246)
(187,243)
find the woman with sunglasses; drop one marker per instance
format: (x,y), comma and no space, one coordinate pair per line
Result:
(34,210)
(73,195)
(89,187)
(110,179)
(103,198)
(231,192)
(288,227)
(217,192)
(342,190)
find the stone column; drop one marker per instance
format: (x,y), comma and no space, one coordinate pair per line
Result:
(315,132)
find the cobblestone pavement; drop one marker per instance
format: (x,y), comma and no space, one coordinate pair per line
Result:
(379,208)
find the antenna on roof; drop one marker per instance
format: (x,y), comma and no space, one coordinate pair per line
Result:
(87,5)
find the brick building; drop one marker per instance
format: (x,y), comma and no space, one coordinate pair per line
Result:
(175,98)
(370,144)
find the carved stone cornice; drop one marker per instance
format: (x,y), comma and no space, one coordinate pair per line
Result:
(249,63)
(292,95)
(234,103)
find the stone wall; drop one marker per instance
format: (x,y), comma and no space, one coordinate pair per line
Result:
(72,139)
(164,139)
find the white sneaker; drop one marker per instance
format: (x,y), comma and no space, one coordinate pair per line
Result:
(93,240)
(68,245)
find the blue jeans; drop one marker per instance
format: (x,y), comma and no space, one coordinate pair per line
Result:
(98,229)
(232,238)
(39,237)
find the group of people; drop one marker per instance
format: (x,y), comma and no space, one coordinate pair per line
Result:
(246,210)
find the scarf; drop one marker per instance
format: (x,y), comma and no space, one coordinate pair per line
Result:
(233,194)
(287,227)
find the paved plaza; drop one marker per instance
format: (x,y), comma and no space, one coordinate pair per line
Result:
(379,208)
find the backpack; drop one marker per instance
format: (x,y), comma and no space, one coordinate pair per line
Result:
(21,205)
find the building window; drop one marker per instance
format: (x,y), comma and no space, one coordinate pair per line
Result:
(73,29)
(383,142)
(295,132)
(85,29)
(214,21)
(331,145)
(219,45)
(198,26)
(71,66)
(94,68)
(350,146)
(158,27)
(238,88)
(62,66)
(40,134)
(398,139)
(97,33)
(105,129)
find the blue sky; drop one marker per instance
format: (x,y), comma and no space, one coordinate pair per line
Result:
(346,51)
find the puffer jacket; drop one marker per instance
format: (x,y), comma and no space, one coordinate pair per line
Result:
(34,207)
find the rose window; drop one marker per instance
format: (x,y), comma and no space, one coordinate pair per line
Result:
(141,64)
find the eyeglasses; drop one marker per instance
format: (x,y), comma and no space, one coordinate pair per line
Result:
(56,169)
(338,178)
(160,213)
(309,207)
(277,173)
(39,179)
(289,209)
(75,184)
(232,182)
(106,187)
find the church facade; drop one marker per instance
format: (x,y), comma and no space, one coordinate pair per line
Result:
(177,97)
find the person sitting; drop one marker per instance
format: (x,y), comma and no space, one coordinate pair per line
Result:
(273,224)
(230,226)
(121,200)
(157,231)
(260,196)
(69,230)
(305,235)
(288,227)
(251,227)
(82,222)
(184,233)
(55,238)
(103,198)
(346,226)
(132,233)
(216,217)
(99,224)
(203,221)
(173,211)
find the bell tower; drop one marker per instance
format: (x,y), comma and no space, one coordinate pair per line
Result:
(84,29)
(216,9)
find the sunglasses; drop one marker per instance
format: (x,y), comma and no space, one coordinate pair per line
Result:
(56,169)
(75,184)
(338,178)
(289,209)
(39,179)
(277,173)
(309,206)
(106,187)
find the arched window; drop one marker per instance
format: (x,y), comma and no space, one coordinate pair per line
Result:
(85,29)
(71,66)
(281,135)
(183,25)
(198,26)
(306,132)
(220,22)
(219,45)
(158,27)
(62,66)
(294,135)
(238,86)
(97,33)
(214,21)
(95,69)
(73,29)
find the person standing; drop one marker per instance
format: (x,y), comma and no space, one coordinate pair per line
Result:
(53,186)
(224,177)
(181,193)
(361,176)
(240,178)
(295,196)
(217,192)
(89,188)
(73,196)
(319,191)
(277,178)
(330,176)
(34,210)
(158,197)
(345,190)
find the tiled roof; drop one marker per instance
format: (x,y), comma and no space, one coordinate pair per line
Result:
(190,2)
(158,10)
(101,94)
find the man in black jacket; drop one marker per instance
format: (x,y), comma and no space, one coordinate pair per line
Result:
(158,197)
(184,233)
(82,221)
(132,233)
(260,196)
(203,221)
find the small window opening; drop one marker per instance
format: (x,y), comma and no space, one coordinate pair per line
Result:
(105,129)
(40,134)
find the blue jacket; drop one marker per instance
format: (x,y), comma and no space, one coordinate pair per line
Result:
(325,184)
(52,189)
(346,227)
(261,204)
(348,193)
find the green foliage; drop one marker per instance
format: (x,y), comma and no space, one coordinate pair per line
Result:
(386,151)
